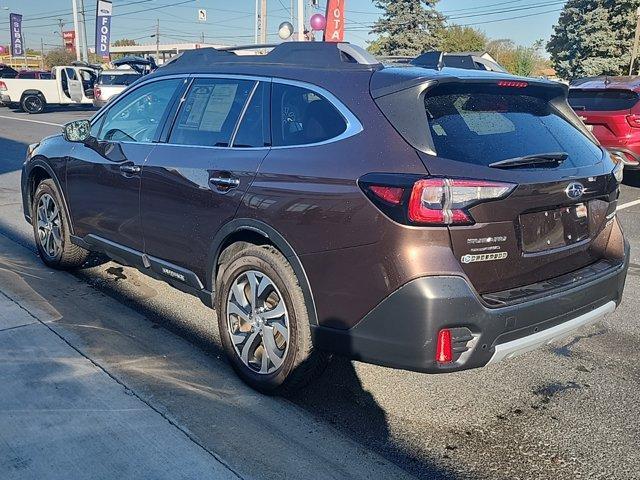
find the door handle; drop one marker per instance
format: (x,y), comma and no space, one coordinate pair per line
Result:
(130,169)
(224,183)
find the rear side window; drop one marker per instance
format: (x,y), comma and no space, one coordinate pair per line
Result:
(126,79)
(602,100)
(301,117)
(254,128)
(210,112)
(483,124)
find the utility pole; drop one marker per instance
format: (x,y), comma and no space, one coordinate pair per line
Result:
(257,25)
(42,53)
(85,47)
(61,23)
(157,41)
(634,54)
(263,22)
(74,4)
(202,38)
(301,20)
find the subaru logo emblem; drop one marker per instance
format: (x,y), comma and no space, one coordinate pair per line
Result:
(575,190)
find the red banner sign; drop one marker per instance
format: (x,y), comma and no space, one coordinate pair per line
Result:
(69,38)
(334,32)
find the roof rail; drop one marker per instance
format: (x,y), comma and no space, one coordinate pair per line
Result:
(303,54)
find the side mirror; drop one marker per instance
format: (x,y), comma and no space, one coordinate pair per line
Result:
(77,131)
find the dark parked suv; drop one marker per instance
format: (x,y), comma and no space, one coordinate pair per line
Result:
(427,219)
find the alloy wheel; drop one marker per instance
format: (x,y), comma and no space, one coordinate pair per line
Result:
(258,322)
(49,226)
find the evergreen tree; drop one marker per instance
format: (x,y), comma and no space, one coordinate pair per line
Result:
(408,27)
(594,37)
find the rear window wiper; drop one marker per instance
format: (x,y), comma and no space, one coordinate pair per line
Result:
(539,159)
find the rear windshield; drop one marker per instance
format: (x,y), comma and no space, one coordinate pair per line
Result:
(483,124)
(602,100)
(125,79)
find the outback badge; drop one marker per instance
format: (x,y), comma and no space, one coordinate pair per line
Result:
(485,257)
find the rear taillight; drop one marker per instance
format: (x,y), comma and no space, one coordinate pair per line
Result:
(443,201)
(97,92)
(634,120)
(392,195)
(3,86)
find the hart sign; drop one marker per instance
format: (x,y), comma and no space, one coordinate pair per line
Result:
(334,32)
(17,42)
(103,27)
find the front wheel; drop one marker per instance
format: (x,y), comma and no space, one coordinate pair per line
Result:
(33,103)
(51,229)
(264,323)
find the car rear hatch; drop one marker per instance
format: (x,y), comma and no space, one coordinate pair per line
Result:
(609,113)
(544,190)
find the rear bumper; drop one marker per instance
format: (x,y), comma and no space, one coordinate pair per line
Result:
(630,154)
(401,331)
(99,103)
(5,99)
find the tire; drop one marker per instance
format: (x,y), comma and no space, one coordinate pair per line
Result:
(33,103)
(51,229)
(291,363)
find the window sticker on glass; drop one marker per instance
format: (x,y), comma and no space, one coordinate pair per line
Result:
(218,107)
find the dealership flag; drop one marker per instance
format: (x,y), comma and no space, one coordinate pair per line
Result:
(334,31)
(103,27)
(17,42)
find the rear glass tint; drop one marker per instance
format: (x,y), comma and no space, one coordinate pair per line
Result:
(126,79)
(602,100)
(482,124)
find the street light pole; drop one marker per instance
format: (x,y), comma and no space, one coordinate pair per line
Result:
(85,46)
(634,54)
(157,41)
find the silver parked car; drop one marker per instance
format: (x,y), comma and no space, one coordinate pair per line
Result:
(112,83)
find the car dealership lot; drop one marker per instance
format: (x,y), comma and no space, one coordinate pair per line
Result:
(568,411)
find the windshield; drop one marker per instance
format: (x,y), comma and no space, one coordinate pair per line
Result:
(120,79)
(602,100)
(484,124)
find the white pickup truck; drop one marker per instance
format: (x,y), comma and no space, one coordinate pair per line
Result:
(68,86)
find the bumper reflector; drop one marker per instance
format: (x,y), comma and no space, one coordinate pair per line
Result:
(444,350)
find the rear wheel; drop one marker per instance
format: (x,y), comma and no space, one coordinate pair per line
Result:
(264,323)
(33,103)
(51,229)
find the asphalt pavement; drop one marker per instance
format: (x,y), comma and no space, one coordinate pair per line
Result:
(567,411)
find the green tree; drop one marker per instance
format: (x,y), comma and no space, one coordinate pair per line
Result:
(407,27)
(58,57)
(124,42)
(462,39)
(593,37)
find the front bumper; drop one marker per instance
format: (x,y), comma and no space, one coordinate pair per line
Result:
(401,331)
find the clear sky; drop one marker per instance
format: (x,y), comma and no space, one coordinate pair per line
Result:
(231,21)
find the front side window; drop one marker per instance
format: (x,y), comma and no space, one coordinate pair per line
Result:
(303,117)
(136,117)
(210,112)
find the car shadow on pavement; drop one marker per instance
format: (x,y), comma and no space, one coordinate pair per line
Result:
(12,155)
(337,399)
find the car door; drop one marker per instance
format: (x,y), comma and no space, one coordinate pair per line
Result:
(193,183)
(103,175)
(74,84)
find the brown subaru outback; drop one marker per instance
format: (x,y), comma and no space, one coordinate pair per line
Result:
(419,217)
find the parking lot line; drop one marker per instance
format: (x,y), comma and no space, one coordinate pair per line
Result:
(628,205)
(32,121)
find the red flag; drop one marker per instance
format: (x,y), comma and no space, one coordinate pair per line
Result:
(334,32)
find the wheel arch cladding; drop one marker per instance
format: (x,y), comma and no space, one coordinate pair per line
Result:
(256,232)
